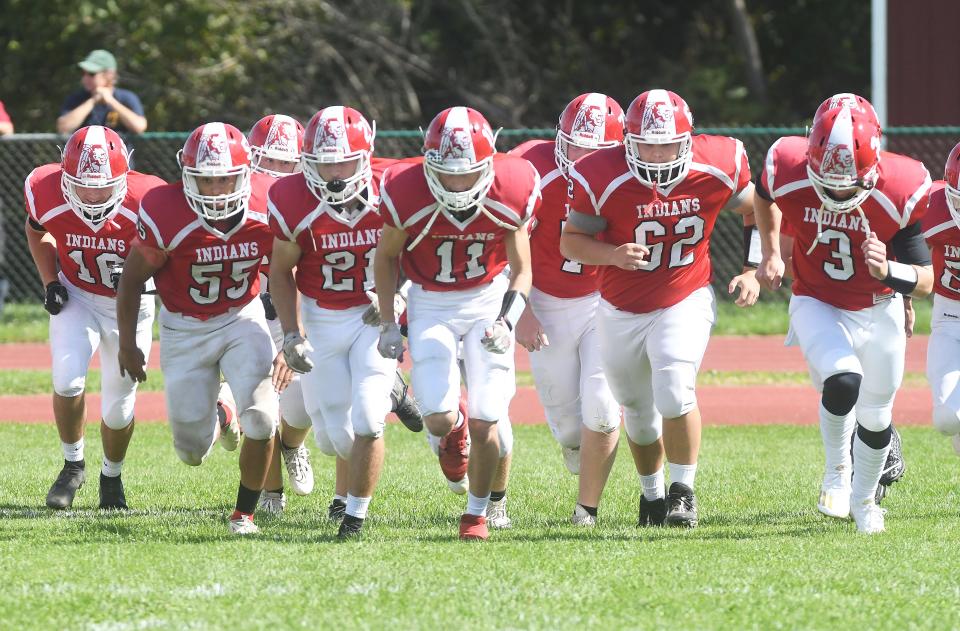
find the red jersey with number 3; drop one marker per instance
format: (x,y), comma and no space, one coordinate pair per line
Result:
(836,272)
(457,254)
(87,252)
(336,264)
(207,272)
(943,237)
(552,273)
(675,224)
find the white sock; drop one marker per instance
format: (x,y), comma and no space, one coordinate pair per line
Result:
(866,474)
(477,505)
(683,473)
(357,506)
(110,468)
(652,485)
(342,498)
(434,442)
(73,452)
(836,432)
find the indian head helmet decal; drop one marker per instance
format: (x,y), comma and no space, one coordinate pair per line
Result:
(658,116)
(94,162)
(589,123)
(331,135)
(455,144)
(213,151)
(838,160)
(282,135)
(844,99)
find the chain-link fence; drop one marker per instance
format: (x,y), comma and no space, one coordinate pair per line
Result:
(156,153)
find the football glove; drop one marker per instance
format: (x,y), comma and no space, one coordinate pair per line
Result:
(497,338)
(295,350)
(390,344)
(55,297)
(268,309)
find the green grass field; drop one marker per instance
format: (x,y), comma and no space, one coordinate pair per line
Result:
(762,558)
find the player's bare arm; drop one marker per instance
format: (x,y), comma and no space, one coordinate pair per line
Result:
(43,249)
(768,217)
(283,286)
(386,268)
(580,244)
(141,264)
(746,282)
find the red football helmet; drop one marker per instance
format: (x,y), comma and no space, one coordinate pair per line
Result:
(951,173)
(843,157)
(459,141)
(216,150)
(276,137)
(94,158)
(338,134)
(659,117)
(853,101)
(590,121)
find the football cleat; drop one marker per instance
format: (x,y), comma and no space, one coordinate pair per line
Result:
(404,406)
(582,518)
(350,527)
(868,516)
(454,454)
(571,458)
(653,512)
(835,495)
(473,528)
(497,514)
(336,510)
(227,415)
(893,467)
(65,487)
(681,507)
(272,502)
(242,524)
(111,493)
(299,470)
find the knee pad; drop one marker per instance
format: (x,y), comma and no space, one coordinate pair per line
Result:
(260,420)
(69,387)
(946,419)
(601,416)
(840,392)
(673,392)
(487,407)
(192,457)
(643,429)
(323,441)
(292,407)
(505,436)
(874,412)
(341,439)
(564,423)
(116,419)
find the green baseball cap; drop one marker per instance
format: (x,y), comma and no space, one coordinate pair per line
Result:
(98,61)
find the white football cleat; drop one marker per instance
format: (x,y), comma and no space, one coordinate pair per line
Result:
(458,487)
(272,503)
(582,518)
(571,458)
(243,525)
(299,470)
(868,516)
(227,416)
(835,495)
(497,514)
(956,443)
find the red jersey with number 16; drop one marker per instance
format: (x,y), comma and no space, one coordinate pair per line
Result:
(675,223)
(207,272)
(457,254)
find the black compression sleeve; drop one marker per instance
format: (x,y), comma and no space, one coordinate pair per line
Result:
(760,187)
(909,247)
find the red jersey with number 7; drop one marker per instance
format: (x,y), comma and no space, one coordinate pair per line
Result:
(835,272)
(207,272)
(453,253)
(87,252)
(675,223)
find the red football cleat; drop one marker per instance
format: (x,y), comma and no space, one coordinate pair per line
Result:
(455,450)
(473,528)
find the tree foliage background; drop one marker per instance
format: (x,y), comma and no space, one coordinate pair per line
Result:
(400,61)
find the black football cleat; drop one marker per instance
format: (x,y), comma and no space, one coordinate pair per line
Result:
(652,512)
(111,493)
(681,507)
(405,407)
(350,527)
(64,489)
(336,510)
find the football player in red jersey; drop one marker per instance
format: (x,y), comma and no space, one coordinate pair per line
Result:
(559,324)
(203,240)
(645,212)
(452,223)
(845,202)
(941,228)
(82,216)
(276,142)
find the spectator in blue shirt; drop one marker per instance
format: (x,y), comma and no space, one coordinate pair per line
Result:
(99,102)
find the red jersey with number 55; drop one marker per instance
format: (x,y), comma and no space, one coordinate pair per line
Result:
(207,272)
(943,237)
(337,249)
(87,252)
(835,272)
(456,254)
(675,223)
(552,273)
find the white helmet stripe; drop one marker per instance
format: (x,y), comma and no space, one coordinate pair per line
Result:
(841,136)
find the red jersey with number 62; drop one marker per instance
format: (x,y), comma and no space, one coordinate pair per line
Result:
(943,237)
(552,273)
(675,224)
(87,252)
(337,249)
(836,272)
(207,272)
(457,254)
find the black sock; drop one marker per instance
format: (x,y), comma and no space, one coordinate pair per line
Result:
(79,464)
(496,496)
(283,445)
(591,510)
(247,499)
(874,440)
(280,490)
